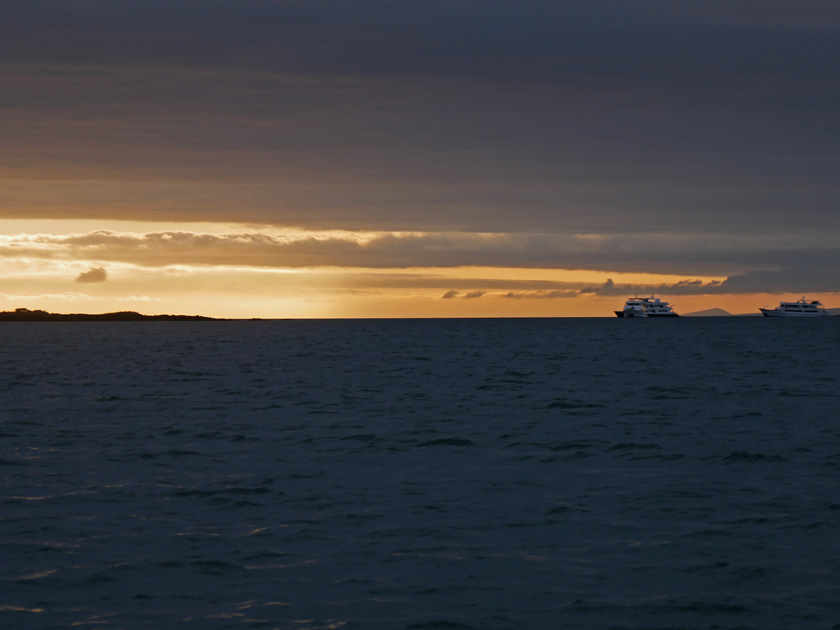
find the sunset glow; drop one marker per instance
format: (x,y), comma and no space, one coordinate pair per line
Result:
(405,171)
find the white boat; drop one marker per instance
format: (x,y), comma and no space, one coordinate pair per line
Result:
(646,307)
(800,308)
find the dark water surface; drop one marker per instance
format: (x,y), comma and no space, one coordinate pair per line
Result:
(555,473)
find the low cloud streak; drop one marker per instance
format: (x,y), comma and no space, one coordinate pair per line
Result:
(542,295)
(798,268)
(686,254)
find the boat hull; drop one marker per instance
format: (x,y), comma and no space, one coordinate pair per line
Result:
(771,312)
(634,315)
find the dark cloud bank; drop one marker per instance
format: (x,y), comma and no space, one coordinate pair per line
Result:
(797,270)
(712,120)
(637,253)
(788,280)
(433,115)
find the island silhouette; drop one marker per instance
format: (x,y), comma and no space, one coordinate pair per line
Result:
(26,315)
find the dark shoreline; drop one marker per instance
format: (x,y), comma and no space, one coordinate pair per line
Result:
(25,315)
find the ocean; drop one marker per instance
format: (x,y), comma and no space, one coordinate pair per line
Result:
(421,474)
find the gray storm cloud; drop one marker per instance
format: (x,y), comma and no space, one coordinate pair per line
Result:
(534,40)
(445,116)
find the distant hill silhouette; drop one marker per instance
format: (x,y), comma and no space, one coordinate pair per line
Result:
(709,312)
(25,315)
(719,312)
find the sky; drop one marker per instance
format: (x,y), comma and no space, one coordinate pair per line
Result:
(434,158)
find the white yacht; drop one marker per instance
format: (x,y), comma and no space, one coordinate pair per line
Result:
(646,307)
(800,308)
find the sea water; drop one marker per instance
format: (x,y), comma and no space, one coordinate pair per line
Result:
(474,474)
